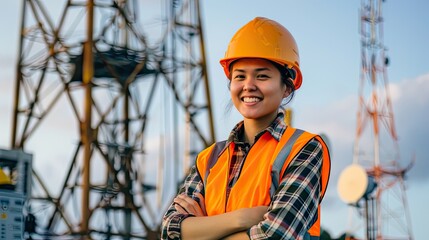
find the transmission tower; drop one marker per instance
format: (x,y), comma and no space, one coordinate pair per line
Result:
(385,210)
(130,78)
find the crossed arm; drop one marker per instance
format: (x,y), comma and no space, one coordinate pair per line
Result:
(186,217)
(231,225)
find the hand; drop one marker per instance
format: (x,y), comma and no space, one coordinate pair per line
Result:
(187,205)
(247,217)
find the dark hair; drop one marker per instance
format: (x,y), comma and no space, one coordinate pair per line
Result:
(286,75)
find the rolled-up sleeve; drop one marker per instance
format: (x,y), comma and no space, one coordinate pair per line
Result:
(293,209)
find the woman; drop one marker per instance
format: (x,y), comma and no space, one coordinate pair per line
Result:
(268,179)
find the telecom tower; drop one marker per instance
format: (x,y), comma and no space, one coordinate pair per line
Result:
(121,88)
(377,192)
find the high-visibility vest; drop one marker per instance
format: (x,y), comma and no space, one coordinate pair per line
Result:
(260,175)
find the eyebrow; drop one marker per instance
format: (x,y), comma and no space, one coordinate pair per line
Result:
(256,70)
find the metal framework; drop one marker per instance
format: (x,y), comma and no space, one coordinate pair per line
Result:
(130,77)
(385,211)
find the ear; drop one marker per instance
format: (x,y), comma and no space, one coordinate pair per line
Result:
(286,92)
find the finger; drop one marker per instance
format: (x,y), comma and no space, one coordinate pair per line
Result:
(180,209)
(201,202)
(198,197)
(190,205)
(186,203)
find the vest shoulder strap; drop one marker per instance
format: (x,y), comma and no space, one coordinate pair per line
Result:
(281,159)
(217,149)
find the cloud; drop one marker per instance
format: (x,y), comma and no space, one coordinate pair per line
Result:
(411,104)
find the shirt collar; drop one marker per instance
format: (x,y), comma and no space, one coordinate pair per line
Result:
(276,129)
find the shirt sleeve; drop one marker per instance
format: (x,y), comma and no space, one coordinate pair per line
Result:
(293,208)
(170,228)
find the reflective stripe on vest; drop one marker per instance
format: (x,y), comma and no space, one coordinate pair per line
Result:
(280,161)
(279,155)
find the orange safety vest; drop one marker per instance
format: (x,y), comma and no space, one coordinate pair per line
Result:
(260,175)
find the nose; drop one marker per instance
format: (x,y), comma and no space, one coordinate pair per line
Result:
(249,84)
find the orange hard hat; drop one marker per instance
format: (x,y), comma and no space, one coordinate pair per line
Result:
(264,38)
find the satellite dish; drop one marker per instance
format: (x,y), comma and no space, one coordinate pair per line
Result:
(354,184)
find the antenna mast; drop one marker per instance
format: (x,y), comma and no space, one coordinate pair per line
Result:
(385,210)
(130,77)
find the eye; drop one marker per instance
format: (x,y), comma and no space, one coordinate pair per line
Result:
(262,76)
(239,77)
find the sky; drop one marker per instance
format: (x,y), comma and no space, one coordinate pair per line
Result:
(327,33)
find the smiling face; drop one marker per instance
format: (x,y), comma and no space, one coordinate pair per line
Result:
(256,89)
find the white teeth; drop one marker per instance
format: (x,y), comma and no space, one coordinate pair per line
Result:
(251,99)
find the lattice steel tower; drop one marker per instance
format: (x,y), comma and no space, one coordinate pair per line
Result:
(385,210)
(130,78)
